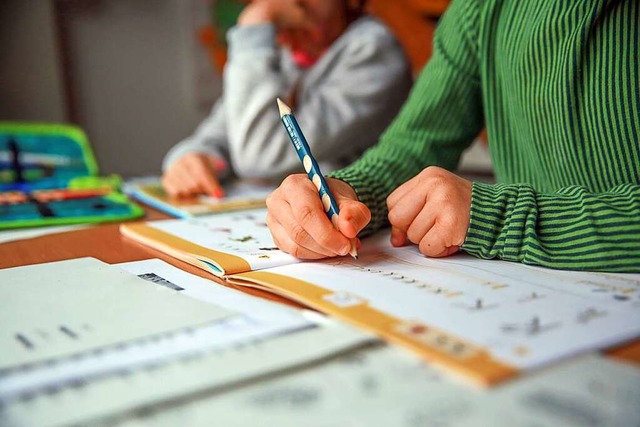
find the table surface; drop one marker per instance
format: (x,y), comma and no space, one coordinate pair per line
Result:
(105,243)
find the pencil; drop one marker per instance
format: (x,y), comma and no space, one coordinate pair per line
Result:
(311,167)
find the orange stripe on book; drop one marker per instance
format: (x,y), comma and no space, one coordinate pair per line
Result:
(432,344)
(185,250)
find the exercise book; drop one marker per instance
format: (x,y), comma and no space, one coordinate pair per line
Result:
(486,320)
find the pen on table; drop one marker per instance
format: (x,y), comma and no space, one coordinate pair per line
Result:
(311,167)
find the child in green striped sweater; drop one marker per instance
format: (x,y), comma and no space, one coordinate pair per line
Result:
(557,85)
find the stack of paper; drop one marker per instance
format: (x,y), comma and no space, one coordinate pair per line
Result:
(84,325)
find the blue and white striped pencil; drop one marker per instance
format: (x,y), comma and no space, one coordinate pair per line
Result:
(311,167)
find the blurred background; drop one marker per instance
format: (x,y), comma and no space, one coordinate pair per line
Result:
(138,76)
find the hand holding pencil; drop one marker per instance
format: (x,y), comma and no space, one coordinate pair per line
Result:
(301,208)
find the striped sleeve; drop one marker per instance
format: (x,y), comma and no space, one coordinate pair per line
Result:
(441,117)
(570,229)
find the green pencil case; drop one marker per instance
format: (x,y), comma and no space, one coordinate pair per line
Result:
(49,175)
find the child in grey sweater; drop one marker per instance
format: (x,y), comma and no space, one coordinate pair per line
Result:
(344,73)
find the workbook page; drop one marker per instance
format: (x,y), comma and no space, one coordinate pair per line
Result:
(244,234)
(385,386)
(523,316)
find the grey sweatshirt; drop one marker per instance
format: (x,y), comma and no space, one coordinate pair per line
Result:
(343,102)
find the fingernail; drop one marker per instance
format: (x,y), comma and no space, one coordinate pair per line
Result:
(345,250)
(219,164)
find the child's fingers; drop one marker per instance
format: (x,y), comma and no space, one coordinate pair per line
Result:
(282,240)
(205,175)
(211,186)
(398,237)
(353,217)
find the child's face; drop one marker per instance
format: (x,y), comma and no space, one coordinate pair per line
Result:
(325,21)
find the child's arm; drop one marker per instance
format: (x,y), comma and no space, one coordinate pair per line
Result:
(346,101)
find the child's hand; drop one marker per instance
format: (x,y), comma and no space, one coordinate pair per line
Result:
(432,210)
(193,174)
(300,226)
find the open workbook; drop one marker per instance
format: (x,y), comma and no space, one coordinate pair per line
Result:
(485,320)
(239,195)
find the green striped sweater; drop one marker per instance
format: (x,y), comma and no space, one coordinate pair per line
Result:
(557,85)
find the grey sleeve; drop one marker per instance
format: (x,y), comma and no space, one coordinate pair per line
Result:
(210,137)
(345,103)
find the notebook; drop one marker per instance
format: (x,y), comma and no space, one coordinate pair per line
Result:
(238,195)
(484,320)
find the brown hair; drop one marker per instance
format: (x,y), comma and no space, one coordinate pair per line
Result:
(354,9)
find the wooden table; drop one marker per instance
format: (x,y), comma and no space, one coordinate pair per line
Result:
(103,242)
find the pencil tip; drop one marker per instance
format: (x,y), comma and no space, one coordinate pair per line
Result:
(284,108)
(354,250)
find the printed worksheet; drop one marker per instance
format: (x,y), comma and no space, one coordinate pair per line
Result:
(173,380)
(386,386)
(488,319)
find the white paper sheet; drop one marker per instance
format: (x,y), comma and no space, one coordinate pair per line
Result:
(386,386)
(29,233)
(255,325)
(248,319)
(265,313)
(108,399)
(56,310)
